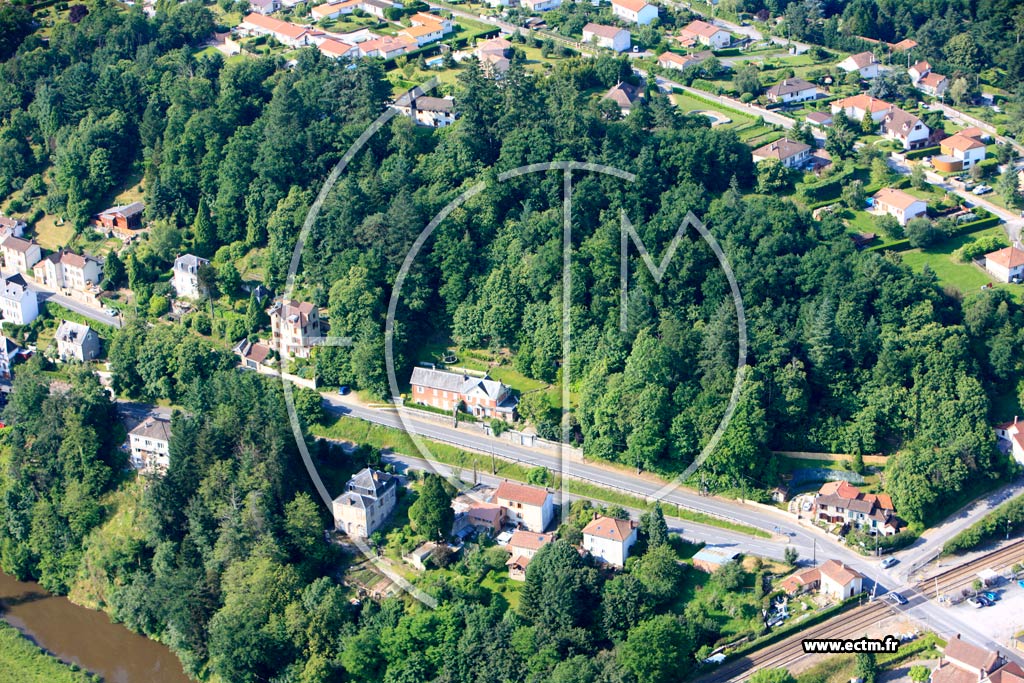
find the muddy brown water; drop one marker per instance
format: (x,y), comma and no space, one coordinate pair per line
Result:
(86,637)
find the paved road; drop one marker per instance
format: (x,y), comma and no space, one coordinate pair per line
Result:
(691,531)
(91,312)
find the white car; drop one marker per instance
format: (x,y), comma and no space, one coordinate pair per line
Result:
(981,189)
(888,562)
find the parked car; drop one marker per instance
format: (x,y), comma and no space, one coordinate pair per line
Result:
(981,189)
(896,598)
(888,562)
(984,601)
(994,597)
(1021,583)
(975,603)
(343,389)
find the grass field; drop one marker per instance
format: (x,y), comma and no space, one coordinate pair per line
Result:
(22,661)
(966,278)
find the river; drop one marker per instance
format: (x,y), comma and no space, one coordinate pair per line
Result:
(86,637)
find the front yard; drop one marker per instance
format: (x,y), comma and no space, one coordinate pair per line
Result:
(965,278)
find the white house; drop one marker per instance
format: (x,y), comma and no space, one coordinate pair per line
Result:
(963,148)
(66,269)
(609,540)
(705,34)
(792,153)
(792,90)
(900,205)
(933,84)
(635,11)
(858,106)
(284,32)
(863,63)
(530,507)
(423,34)
(76,341)
(1005,265)
(150,444)
(905,128)
(11,226)
(541,5)
(186,276)
(428,19)
(18,304)
(672,60)
(433,112)
(10,353)
(919,71)
(1011,434)
(611,37)
(20,254)
(833,579)
(337,49)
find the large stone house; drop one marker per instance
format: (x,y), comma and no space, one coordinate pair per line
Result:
(480,396)
(68,270)
(76,341)
(294,328)
(186,276)
(368,501)
(839,502)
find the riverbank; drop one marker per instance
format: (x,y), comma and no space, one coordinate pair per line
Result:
(21,660)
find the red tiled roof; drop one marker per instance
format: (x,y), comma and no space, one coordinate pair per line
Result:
(521,493)
(529,540)
(609,528)
(1010,257)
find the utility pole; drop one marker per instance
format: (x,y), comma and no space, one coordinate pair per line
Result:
(814,552)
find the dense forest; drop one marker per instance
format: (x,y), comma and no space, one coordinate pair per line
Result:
(849,352)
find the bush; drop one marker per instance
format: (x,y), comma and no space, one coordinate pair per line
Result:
(979,248)
(921,233)
(158,306)
(889,226)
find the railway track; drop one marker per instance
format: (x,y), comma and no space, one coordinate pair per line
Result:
(963,576)
(853,623)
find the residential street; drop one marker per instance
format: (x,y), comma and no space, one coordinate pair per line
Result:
(91,312)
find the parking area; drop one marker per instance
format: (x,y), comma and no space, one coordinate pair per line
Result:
(1001,620)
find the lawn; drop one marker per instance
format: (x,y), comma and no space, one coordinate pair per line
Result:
(51,236)
(22,661)
(498,582)
(963,277)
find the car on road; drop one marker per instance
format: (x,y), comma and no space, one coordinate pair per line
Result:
(344,390)
(888,562)
(896,598)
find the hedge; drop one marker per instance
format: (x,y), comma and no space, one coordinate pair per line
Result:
(988,528)
(965,229)
(830,189)
(923,152)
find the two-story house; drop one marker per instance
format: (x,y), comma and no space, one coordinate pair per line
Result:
(368,501)
(864,63)
(531,507)
(702,33)
(20,254)
(479,396)
(839,502)
(523,546)
(150,445)
(295,328)
(76,341)
(635,11)
(609,540)
(905,128)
